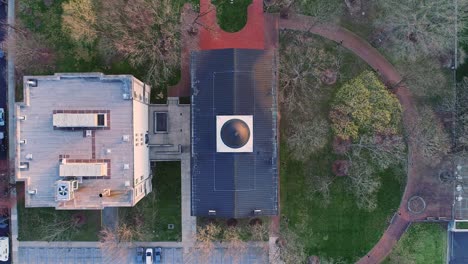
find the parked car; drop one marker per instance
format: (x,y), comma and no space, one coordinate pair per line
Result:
(140,254)
(157,255)
(2,117)
(4,248)
(149,256)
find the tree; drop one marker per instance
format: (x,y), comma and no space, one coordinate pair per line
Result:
(425,78)
(33,54)
(302,64)
(364,105)
(365,183)
(236,247)
(418,28)
(289,248)
(205,240)
(462,113)
(79,19)
(305,138)
(145,32)
(114,242)
(429,136)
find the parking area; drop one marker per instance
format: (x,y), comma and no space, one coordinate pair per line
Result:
(94,255)
(62,255)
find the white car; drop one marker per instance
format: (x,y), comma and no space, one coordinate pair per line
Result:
(2,117)
(149,256)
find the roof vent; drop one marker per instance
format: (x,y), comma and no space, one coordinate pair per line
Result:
(32,82)
(126,96)
(23,141)
(126,138)
(211,212)
(64,161)
(126,166)
(65,190)
(108,151)
(127,183)
(21,117)
(257,212)
(89,133)
(459,198)
(32,192)
(29,156)
(23,165)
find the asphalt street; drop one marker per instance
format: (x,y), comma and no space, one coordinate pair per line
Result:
(3,85)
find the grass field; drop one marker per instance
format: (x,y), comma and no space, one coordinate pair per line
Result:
(162,206)
(35,224)
(423,243)
(231,14)
(340,230)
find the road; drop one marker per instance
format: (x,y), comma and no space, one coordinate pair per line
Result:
(3,87)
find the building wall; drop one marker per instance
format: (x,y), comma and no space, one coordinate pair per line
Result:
(142,173)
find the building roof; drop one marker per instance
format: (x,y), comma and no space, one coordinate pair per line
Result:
(238,83)
(61,140)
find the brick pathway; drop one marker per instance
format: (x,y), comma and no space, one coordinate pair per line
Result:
(420,180)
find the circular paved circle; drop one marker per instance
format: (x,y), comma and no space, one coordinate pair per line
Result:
(416,205)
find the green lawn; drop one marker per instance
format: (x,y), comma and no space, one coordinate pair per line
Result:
(35,224)
(232,17)
(161,207)
(422,243)
(340,230)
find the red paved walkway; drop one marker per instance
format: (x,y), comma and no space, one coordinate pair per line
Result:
(250,37)
(419,180)
(211,36)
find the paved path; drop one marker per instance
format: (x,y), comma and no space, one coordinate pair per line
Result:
(416,169)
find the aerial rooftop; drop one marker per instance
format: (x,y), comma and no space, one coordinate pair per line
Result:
(234,133)
(82,141)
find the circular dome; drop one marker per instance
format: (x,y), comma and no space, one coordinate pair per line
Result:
(235,133)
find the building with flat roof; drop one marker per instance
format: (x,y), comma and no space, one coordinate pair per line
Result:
(234,158)
(82,141)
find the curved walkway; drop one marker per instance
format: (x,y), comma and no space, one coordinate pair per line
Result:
(392,78)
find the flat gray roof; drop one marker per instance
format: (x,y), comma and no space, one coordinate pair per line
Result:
(81,92)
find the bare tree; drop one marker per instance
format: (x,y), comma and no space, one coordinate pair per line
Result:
(289,248)
(429,135)
(319,184)
(420,28)
(307,137)
(236,247)
(364,182)
(79,19)
(115,242)
(32,53)
(424,77)
(462,113)
(144,31)
(205,240)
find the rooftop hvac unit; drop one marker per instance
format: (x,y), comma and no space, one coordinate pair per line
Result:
(21,117)
(29,156)
(127,183)
(64,161)
(108,151)
(459,198)
(126,166)
(257,212)
(126,138)
(126,96)
(32,82)
(89,133)
(23,141)
(65,190)
(32,192)
(211,212)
